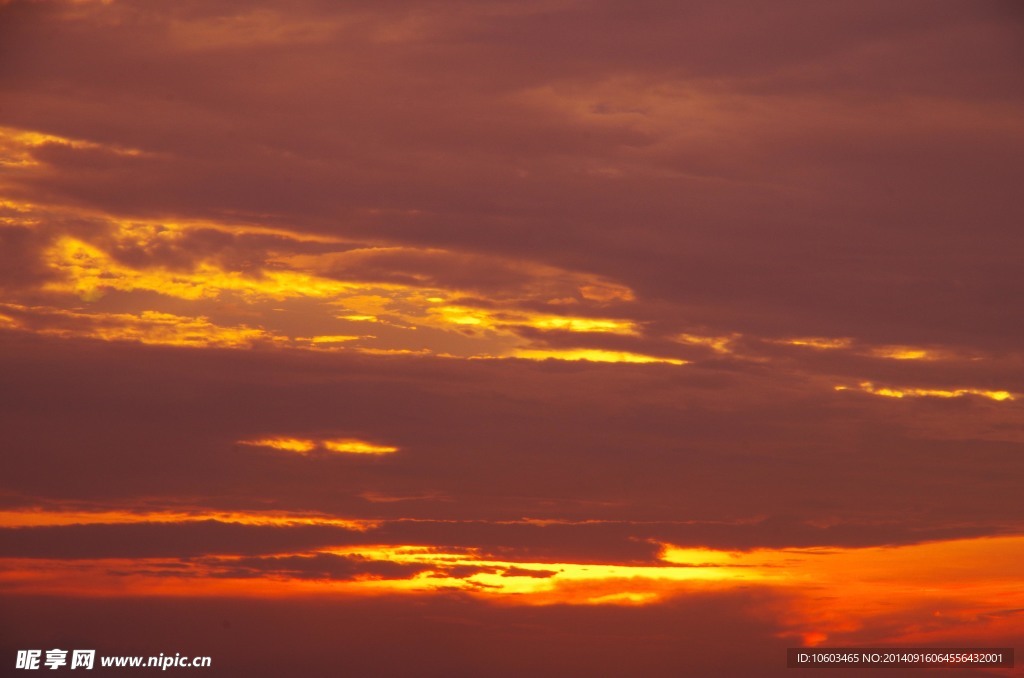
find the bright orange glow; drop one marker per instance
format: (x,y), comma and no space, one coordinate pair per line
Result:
(969,581)
(868,387)
(700,556)
(969,578)
(498,576)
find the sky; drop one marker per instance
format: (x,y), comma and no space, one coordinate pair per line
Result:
(550,337)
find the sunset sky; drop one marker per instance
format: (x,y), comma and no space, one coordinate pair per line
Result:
(488,337)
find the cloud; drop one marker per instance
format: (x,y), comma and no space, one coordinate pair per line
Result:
(747,189)
(513,438)
(305,446)
(376,222)
(868,387)
(147,327)
(319,566)
(163,540)
(886,591)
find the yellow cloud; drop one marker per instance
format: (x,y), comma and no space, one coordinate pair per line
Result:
(16,146)
(355,446)
(297,445)
(506,319)
(306,445)
(89,270)
(147,327)
(592,355)
(890,351)
(719,344)
(817,342)
(888,392)
(40,517)
(329,339)
(903,353)
(89,273)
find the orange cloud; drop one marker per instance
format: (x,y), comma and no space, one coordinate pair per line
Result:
(48,517)
(920,593)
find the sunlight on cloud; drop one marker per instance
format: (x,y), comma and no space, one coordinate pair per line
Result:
(334,445)
(149,234)
(969,580)
(817,342)
(592,355)
(90,273)
(152,327)
(297,445)
(146,327)
(892,352)
(42,517)
(719,344)
(355,446)
(16,146)
(903,353)
(413,320)
(549,582)
(889,392)
(330,339)
(481,318)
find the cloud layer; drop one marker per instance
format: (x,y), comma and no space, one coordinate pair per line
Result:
(508,314)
